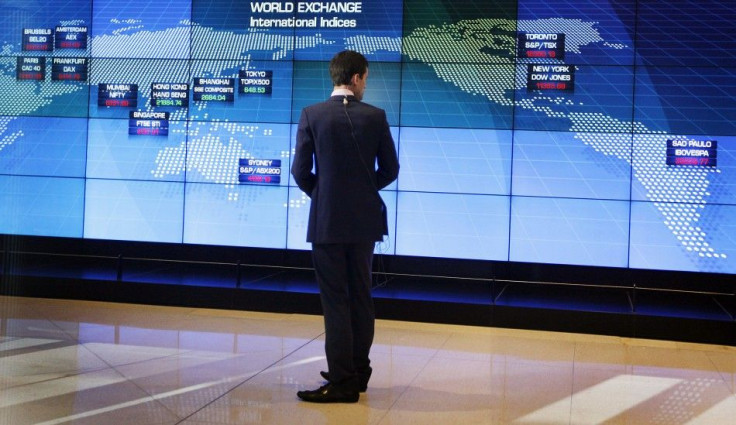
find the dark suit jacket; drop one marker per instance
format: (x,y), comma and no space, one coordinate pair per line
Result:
(344,143)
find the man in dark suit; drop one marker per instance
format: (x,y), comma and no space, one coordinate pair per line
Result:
(338,144)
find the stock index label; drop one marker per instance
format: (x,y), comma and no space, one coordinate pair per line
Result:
(259,171)
(170,94)
(38,39)
(31,68)
(546,46)
(692,152)
(255,82)
(117,95)
(560,78)
(71,37)
(214,89)
(144,123)
(69,69)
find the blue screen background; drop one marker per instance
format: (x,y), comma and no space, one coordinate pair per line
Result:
(490,170)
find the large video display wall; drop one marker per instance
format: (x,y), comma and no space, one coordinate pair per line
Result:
(597,133)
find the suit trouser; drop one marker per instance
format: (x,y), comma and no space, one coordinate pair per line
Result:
(344,276)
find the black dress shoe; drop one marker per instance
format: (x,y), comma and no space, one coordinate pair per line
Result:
(330,393)
(362,380)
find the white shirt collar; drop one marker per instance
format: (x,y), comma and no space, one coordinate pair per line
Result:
(342,92)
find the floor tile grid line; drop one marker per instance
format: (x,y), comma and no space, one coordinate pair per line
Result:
(390,408)
(575,354)
(264,369)
(132,381)
(725,378)
(83,344)
(154,397)
(67,375)
(75,341)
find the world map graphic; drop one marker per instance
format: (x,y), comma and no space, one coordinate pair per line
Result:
(457,53)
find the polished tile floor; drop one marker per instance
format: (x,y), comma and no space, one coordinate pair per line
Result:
(74,362)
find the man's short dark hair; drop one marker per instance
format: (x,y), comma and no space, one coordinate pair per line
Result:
(346,64)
